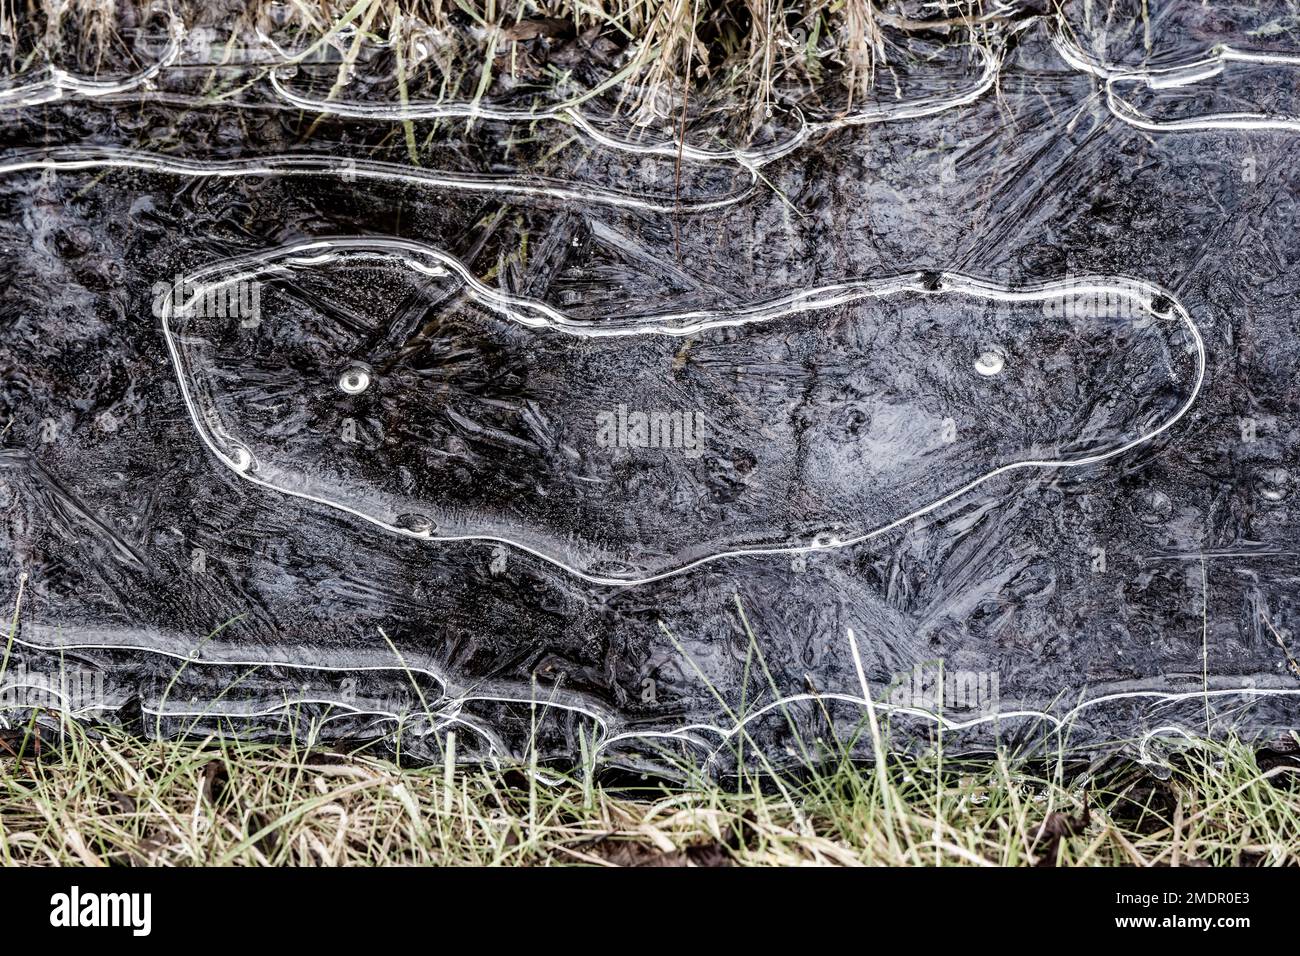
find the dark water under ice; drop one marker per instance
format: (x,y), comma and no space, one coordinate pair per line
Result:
(564,440)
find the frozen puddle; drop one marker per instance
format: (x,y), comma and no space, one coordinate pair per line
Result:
(413,503)
(379,377)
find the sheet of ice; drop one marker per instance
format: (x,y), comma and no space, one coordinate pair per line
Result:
(381,378)
(1131,599)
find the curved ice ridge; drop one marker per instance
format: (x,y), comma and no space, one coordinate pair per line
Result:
(750,158)
(429,261)
(73,159)
(1188,73)
(446,712)
(60,83)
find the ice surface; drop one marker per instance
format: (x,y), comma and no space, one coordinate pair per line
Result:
(867,323)
(379,377)
(1171,66)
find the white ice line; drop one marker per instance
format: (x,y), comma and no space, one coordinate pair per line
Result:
(1173,77)
(724,733)
(1144,755)
(536,314)
(1131,115)
(451,694)
(195,657)
(61,83)
(110,157)
(749,158)
(1060,723)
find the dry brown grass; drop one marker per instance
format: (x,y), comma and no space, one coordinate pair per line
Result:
(665,50)
(114,799)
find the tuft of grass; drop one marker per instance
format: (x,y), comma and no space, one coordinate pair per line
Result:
(104,797)
(658,53)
